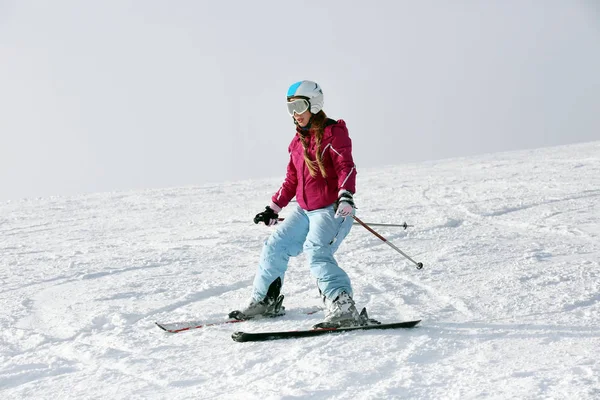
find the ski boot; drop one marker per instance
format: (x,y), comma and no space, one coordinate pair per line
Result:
(340,312)
(270,306)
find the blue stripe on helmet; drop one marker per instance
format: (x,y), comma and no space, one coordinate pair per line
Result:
(293,88)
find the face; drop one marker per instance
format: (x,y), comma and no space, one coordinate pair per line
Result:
(302,119)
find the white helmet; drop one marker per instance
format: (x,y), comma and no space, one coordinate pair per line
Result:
(309,90)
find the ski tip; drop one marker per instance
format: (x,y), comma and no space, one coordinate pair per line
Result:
(239,336)
(411,324)
(161,327)
(168,330)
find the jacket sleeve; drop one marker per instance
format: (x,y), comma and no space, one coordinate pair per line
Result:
(287,191)
(341,154)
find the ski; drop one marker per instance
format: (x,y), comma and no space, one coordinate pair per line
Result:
(182,326)
(263,336)
(176,327)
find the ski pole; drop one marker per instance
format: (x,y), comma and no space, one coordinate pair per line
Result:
(367,227)
(404,225)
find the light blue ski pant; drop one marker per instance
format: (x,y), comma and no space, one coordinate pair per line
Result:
(319,234)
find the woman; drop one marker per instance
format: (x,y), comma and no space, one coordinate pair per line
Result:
(321,175)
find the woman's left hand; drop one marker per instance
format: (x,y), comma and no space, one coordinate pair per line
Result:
(344,206)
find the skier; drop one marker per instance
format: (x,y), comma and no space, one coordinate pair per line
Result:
(321,175)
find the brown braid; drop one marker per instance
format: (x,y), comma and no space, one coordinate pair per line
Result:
(317,127)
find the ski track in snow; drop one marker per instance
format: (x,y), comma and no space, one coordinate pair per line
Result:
(509,296)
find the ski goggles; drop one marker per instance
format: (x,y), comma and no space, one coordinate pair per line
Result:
(297,106)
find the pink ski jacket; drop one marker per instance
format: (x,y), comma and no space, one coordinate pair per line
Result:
(319,192)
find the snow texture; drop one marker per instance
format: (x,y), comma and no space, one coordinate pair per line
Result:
(509,296)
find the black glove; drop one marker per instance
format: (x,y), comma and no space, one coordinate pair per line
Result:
(269,217)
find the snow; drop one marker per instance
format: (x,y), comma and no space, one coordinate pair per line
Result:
(509,296)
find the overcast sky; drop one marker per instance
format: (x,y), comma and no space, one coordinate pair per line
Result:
(115,95)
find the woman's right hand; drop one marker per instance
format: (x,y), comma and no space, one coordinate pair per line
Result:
(269,217)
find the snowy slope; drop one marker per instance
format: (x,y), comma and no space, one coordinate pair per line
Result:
(509,296)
